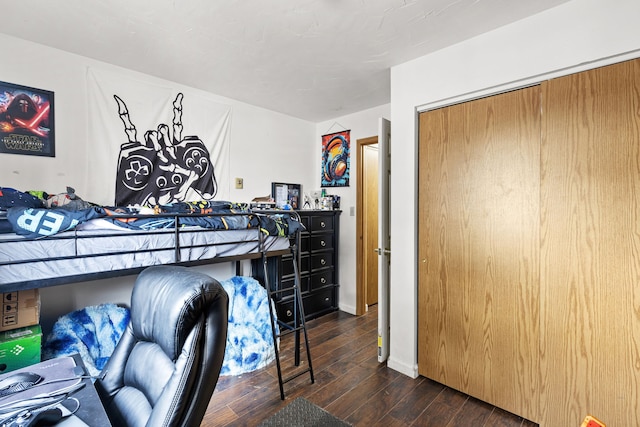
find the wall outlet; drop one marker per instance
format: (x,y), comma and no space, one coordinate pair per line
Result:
(239,183)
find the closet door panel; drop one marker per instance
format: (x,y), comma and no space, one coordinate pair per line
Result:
(590,247)
(479,175)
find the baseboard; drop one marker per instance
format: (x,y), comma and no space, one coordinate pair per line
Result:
(403,368)
(347,309)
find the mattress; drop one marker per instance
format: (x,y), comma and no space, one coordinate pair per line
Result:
(93,251)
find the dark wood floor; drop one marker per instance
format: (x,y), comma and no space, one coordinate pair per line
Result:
(351,384)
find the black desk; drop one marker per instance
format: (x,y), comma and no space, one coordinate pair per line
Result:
(62,373)
(91,410)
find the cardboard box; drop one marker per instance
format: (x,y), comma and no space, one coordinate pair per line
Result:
(20,347)
(20,309)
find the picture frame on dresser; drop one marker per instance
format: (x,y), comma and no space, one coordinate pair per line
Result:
(284,193)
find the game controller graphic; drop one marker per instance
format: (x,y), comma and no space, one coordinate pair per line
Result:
(164,169)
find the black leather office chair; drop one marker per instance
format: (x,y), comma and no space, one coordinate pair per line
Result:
(166,365)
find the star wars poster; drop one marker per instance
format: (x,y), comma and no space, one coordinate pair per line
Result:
(26,121)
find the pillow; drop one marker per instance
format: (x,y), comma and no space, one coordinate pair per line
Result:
(10,197)
(45,222)
(68,200)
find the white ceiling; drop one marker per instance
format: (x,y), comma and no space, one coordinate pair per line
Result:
(312,59)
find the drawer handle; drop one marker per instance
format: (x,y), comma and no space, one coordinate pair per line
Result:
(289,313)
(323,243)
(323,280)
(323,261)
(326,299)
(323,224)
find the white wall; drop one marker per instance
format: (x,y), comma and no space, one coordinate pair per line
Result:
(264,147)
(363,124)
(577,35)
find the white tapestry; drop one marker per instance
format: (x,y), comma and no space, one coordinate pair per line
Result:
(152,144)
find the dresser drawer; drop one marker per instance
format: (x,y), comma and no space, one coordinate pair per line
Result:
(322,242)
(321,279)
(304,243)
(306,221)
(287,265)
(320,302)
(321,223)
(284,310)
(288,284)
(322,260)
(315,304)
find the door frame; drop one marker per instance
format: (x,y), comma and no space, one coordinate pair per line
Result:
(360,286)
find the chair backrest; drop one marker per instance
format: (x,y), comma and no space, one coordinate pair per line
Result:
(166,365)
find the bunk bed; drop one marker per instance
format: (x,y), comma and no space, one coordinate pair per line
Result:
(51,247)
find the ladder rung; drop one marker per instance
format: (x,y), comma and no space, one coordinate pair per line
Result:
(296,375)
(279,291)
(289,332)
(284,324)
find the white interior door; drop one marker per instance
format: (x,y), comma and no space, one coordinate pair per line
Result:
(384,176)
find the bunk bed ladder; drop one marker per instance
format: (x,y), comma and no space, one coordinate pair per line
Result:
(285,329)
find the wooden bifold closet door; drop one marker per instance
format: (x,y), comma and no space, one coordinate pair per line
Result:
(529,248)
(590,247)
(479,187)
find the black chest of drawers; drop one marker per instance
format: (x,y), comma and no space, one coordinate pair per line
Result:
(318,267)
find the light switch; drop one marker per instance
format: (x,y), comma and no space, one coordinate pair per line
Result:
(239,183)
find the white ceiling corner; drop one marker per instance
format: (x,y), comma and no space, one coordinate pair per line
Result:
(312,59)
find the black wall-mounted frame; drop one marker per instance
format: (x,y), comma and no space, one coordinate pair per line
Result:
(284,193)
(27,124)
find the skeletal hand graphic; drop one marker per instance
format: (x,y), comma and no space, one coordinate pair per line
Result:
(165,168)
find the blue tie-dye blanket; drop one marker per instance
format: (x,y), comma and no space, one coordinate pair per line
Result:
(249,337)
(93,332)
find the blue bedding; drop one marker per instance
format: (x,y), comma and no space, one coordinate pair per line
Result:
(40,222)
